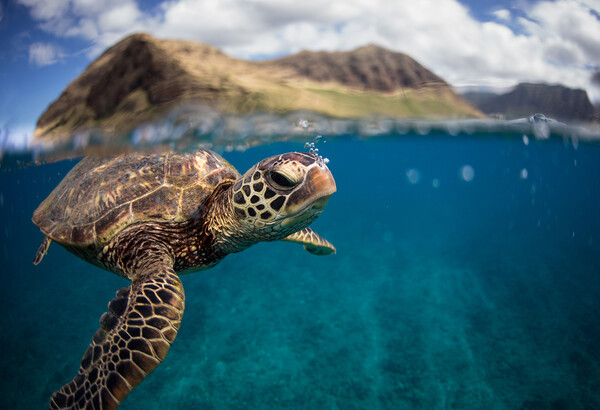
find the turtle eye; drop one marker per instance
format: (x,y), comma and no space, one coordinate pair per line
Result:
(281,181)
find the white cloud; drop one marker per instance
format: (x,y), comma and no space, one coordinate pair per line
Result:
(502,14)
(563,21)
(119,19)
(42,54)
(46,9)
(88,19)
(556,41)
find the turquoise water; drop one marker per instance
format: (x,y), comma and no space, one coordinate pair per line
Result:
(466,277)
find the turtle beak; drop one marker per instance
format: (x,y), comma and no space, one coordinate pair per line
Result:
(323,186)
(322,181)
(316,190)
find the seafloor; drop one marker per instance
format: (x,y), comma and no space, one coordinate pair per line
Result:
(452,287)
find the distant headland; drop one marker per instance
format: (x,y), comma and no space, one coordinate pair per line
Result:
(556,101)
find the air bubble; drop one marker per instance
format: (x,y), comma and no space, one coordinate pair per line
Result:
(540,125)
(413,176)
(304,124)
(524,174)
(467,173)
(310,145)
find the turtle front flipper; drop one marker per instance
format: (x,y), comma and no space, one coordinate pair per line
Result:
(135,336)
(312,242)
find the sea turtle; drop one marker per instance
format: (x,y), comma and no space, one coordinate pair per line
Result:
(150,217)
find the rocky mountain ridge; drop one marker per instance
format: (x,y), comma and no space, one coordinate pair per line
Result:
(556,101)
(141,77)
(369,68)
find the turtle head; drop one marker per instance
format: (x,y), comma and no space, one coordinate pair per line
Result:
(281,195)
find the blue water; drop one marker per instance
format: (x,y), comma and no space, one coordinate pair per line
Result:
(479,294)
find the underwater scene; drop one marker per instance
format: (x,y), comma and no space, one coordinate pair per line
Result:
(466,277)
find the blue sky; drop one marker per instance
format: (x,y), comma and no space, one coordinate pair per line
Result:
(44,44)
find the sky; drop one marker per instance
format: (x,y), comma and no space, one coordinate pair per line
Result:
(45,44)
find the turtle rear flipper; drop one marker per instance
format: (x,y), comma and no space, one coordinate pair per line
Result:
(41,252)
(135,336)
(312,242)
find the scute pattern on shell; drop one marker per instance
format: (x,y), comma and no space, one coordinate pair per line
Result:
(101,196)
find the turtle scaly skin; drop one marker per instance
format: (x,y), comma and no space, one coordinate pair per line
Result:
(150,218)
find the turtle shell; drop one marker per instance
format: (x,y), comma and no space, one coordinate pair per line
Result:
(99,197)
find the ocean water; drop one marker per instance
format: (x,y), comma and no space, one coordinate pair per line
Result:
(467,276)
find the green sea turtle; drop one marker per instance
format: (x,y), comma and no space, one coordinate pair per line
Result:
(149,218)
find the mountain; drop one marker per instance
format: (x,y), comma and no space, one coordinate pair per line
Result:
(369,68)
(556,101)
(478,98)
(141,78)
